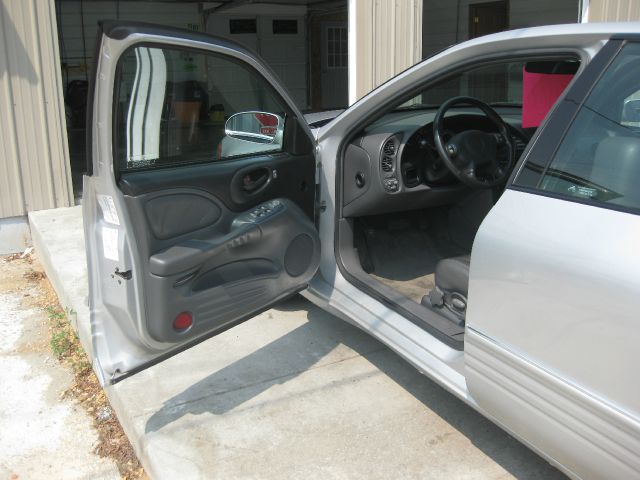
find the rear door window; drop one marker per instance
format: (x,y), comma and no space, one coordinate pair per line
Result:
(598,161)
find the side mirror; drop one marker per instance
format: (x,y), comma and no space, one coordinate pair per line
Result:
(256,127)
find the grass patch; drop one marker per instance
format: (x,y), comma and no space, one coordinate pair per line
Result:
(64,341)
(112,442)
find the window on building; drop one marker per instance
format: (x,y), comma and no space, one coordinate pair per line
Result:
(285,27)
(337,47)
(240,26)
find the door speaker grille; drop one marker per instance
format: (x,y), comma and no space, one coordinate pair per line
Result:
(298,256)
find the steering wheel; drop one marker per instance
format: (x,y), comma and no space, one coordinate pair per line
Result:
(472,155)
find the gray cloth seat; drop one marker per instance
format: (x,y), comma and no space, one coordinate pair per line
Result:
(616,167)
(452,274)
(449,295)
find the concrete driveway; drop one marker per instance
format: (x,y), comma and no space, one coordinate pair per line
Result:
(293,393)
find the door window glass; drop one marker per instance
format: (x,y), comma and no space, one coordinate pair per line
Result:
(598,160)
(178,106)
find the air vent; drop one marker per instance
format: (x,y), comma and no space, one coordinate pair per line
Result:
(389,148)
(387,164)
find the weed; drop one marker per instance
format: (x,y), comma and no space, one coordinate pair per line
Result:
(60,344)
(64,341)
(55,313)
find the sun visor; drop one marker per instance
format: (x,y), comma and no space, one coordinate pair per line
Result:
(542,84)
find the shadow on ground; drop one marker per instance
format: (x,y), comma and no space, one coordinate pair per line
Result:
(302,348)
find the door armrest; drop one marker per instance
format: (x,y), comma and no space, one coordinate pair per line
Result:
(192,253)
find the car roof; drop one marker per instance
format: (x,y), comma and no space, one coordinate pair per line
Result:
(603,29)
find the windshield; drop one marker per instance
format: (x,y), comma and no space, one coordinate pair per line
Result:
(493,84)
(497,84)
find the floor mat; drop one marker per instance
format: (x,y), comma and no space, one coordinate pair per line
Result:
(405,259)
(414,289)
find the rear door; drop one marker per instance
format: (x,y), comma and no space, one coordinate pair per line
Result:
(199,197)
(553,324)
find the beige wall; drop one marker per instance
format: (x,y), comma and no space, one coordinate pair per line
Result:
(385,38)
(613,10)
(34,159)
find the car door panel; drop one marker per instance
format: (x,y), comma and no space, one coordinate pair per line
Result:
(170,214)
(295,175)
(552,319)
(178,252)
(241,261)
(569,426)
(552,330)
(198,245)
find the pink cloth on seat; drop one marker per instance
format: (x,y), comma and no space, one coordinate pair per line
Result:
(539,92)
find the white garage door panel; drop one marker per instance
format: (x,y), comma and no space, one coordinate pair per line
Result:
(286,54)
(220,25)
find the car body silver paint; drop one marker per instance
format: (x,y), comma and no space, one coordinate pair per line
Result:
(554,284)
(582,435)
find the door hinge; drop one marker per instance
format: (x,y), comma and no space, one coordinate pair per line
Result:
(124,275)
(321,205)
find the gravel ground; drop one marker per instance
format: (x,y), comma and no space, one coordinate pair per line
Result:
(44,434)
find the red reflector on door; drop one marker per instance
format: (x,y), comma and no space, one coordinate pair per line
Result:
(183,321)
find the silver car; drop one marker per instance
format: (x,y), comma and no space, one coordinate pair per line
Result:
(478,214)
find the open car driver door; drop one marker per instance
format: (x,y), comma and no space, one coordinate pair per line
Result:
(192,225)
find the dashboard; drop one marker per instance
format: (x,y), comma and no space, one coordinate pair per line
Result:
(393,164)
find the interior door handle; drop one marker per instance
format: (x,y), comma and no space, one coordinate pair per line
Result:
(255,180)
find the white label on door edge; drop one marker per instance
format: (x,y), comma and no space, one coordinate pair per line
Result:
(110,243)
(109,212)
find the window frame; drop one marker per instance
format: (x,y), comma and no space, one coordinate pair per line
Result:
(550,136)
(115,132)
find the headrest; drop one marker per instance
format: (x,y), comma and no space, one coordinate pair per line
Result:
(616,167)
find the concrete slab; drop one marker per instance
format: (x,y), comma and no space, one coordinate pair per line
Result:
(295,392)
(58,238)
(14,235)
(44,434)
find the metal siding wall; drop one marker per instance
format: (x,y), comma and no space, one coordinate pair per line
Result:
(614,10)
(388,40)
(78,19)
(34,168)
